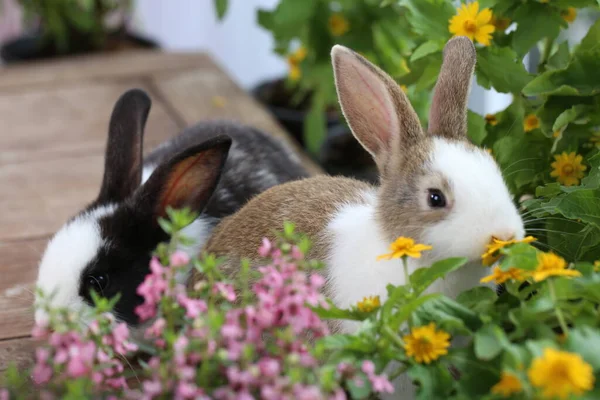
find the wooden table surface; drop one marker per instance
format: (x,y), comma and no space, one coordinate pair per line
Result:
(54,118)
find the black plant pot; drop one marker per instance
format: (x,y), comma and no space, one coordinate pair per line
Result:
(32,47)
(340,153)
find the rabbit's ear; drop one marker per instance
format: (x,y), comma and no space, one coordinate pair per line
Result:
(448,114)
(123,159)
(187,180)
(375,107)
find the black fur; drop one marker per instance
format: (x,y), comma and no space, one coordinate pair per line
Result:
(254,162)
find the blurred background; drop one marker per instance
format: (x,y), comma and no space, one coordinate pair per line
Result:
(248,46)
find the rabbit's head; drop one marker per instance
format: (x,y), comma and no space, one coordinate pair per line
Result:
(107,246)
(436,186)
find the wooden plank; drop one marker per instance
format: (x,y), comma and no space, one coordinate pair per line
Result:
(210,94)
(18,263)
(17,351)
(133,63)
(70,120)
(39,196)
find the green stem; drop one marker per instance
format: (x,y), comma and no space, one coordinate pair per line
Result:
(392,336)
(559,314)
(548,43)
(407,282)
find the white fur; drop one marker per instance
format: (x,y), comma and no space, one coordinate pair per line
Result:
(66,255)
(482,208)
(146,172)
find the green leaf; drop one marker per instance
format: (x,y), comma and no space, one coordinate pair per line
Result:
(477,297)
(360,391)
(591,39)
(315,127)
(579,78)
(520,255)
(535,21)
(406,310)
(430,17)
(422,278)
(435,381)
(476,127)
(576,114)
(429,47)
(221,7)
(560,59)
(489,341)
(502,69)
(448,314)
(585,341)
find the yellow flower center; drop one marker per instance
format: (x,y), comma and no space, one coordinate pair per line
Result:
(568,169)
(470,26)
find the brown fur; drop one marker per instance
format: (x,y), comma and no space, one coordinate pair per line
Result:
(384,122)
(448,114)
(308,203)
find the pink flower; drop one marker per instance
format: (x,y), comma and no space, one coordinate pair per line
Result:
(368,367)
(4,395)
(297,253)
(179,258)
(145,311)
(42,355)
(193,307)
(269,367)
(265,249)
(40,331)
(381,384)
(156,267)
(186,390)
(157,328)
(77,368)
(152,388)
(226,291)
(41,374)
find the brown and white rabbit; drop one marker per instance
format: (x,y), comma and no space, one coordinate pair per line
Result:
(213,168)
(436,187)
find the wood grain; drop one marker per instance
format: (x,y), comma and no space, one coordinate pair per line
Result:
(17,351)
(18,266)
(70,120)
(211,94)
(135,63)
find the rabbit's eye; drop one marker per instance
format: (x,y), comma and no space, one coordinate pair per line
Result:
(98,282)
(436,198)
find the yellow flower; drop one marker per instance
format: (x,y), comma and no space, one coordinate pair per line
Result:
(294,60)
(567,168)
(569,14)
(368,304)
(499,276)
(473,24)
(404,246)
(404,88)
(531,122)
(491,119)
(425,344)
(508,384)
(556,134)
(561,374)
(500,23)
(338,25)
(492,253)
(549,264)
(596,266)
(219,101)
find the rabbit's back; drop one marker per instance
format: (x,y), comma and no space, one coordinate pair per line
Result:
(256,162)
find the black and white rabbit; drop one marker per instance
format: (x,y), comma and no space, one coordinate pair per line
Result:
(213,168)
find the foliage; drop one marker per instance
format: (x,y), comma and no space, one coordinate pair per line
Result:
(65,23)
(554,113)
(263,334)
